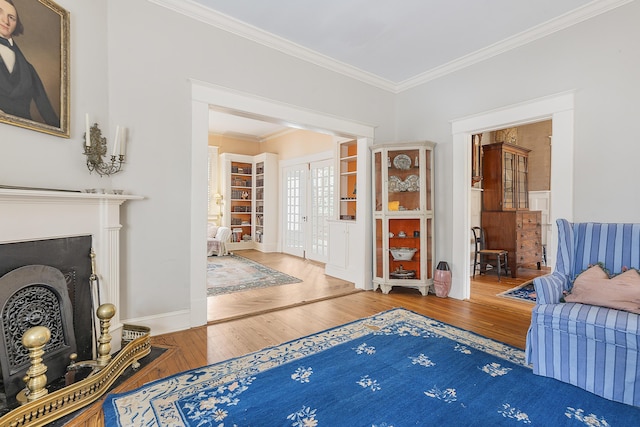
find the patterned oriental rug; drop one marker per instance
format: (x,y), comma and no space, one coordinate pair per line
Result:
(524,292)
(396,368)
(233,273)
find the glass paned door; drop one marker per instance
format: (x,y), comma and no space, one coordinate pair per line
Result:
(309,202)
(321,209)
(294,189)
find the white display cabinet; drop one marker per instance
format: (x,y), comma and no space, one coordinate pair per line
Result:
(403,220)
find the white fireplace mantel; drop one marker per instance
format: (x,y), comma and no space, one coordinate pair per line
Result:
(27,215)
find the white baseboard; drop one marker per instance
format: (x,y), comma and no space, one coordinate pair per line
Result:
(164,323)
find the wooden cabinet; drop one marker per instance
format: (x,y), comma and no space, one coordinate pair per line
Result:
(519,233)
(504,174)
(506,218)
(403,223)
(249,190)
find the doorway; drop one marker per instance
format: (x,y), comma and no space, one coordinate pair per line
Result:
(204,95)
(534,189)
(560,109)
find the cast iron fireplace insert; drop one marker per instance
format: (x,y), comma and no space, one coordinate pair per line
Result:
(70,256)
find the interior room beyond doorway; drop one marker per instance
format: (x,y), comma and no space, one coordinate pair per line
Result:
(535,138)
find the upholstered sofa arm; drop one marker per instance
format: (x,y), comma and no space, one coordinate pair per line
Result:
(549,289)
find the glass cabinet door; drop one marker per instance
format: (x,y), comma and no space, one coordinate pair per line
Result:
(377,180)
(523,195)
(428,250)
(427,173)
(404,248)
(378,239)
(509,195)
(403,180)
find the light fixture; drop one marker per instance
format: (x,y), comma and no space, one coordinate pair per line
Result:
(95,148)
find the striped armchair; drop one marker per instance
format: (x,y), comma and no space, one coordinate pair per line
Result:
(591,347)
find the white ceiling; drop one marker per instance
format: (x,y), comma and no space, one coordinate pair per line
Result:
(392,44)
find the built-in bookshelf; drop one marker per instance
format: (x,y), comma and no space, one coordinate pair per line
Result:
(249,188)
(348,152)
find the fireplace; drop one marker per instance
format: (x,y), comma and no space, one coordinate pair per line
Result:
(45,283)
(40,227)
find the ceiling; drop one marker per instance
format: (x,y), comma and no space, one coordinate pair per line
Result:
(391,44)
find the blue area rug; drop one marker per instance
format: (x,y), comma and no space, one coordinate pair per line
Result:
(233,273)
(524,292)
(397,368)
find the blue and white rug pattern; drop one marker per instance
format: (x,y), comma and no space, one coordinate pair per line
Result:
(394,369)
(524,292)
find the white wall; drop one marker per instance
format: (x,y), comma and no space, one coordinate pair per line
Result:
(599,60)
(34,159)
(151,64)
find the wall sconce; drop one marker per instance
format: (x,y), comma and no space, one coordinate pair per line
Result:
(95,148)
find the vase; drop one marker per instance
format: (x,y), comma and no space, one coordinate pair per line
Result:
(442,280)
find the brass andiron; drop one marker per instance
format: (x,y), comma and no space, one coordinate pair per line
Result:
(34,339)
(95,148)
(105,313)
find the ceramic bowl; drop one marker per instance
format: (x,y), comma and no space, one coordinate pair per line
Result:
(403,254)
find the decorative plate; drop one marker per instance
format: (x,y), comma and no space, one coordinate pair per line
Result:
(412,183)
(403,274)
(402,161)
(394,184)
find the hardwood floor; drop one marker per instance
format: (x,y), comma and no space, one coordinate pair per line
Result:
(315,286)
(320,302)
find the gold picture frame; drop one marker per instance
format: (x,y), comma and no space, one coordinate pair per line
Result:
(42,39)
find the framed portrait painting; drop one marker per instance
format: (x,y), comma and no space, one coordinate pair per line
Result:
(34,66)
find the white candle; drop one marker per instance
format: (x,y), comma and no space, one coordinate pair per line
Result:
(87,138)
(123,140)
(115,144)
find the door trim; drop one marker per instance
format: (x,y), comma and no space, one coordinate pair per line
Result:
(560,109)
(204,94)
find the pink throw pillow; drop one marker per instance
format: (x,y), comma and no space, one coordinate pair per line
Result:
(594,287)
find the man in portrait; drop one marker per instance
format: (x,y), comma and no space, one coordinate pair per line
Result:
(20,84)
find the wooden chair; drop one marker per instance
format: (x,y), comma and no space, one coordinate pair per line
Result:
(482,255)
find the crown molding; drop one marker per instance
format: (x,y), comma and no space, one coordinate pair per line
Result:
(234,26)
(562,22)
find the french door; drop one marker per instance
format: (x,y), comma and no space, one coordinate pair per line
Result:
(308,204)
(294,210)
